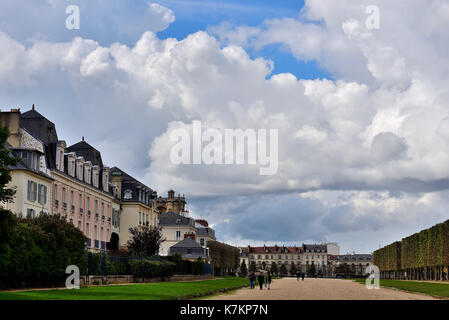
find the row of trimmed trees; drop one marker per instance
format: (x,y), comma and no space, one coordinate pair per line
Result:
(421,256)
(225,259)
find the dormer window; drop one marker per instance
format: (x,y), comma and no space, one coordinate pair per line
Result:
(128,194)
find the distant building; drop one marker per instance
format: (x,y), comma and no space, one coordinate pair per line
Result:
(189,249)
(204,233)
(174,227)
(137,203)
(172,203)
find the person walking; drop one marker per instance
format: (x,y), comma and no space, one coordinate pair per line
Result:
(303,275)
(268,280)
(260,279)
(252,279)
(298,275)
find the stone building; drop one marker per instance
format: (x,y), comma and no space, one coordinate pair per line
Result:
(137,203)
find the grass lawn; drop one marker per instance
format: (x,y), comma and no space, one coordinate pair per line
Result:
(430,288)
(147,291)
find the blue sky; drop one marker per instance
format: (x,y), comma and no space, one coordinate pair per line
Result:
(195,15)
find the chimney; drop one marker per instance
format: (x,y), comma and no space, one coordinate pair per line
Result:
(11,119)
(189,235)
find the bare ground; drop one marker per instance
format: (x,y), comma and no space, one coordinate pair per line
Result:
(320,289)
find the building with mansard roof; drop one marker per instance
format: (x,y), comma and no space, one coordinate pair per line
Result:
(79,188)
(137,203)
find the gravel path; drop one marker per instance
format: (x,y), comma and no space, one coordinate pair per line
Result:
(320,289)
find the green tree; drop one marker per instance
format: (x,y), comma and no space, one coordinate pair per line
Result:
(252,266)
(145,241)
(6,161)
(243,269)
(293,269)
(284,270)
(274,268)
(312,269)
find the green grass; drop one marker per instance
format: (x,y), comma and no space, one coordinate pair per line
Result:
(434,289)
(147,291)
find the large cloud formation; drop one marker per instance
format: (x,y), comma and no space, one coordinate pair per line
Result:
(362,153)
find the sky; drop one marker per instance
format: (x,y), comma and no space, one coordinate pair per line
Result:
(361,113)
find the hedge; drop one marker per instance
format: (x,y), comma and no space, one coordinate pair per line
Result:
(152,268)
(428,248)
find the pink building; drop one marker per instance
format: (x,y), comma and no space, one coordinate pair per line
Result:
(81,191)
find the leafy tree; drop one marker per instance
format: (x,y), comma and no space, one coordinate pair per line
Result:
(274,268)
(293,269)
(283,270)
(312,269)
(6,161)
(243,269)
(253,266)
(113,243)
(145,241)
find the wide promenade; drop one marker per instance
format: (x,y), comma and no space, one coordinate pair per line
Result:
(320,289)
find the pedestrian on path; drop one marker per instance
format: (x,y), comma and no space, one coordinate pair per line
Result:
(252,279)
(268,280)
(303,275)
(298,275)
(260,279)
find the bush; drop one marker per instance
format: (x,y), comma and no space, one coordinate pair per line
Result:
(36,252)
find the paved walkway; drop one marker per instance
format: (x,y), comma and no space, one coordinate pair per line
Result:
(320,289)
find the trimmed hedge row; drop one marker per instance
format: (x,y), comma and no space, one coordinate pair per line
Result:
(152,268)
(428,248)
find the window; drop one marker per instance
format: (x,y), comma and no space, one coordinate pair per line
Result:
(96,206)
(31,213)
(42,194)
(101,234)
(87,229)
(88,203)
(32,191)
(202,241)
(140,217)
(56,192)
(71,197)
(79,225)
(178,234)
(80,200)
(95,232)
(63,194)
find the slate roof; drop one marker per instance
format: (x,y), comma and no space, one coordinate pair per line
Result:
(174,219)
(130,183)
(44,130)
(355,257)
(314,248)
(88,152)
(23,164)
(187,243)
